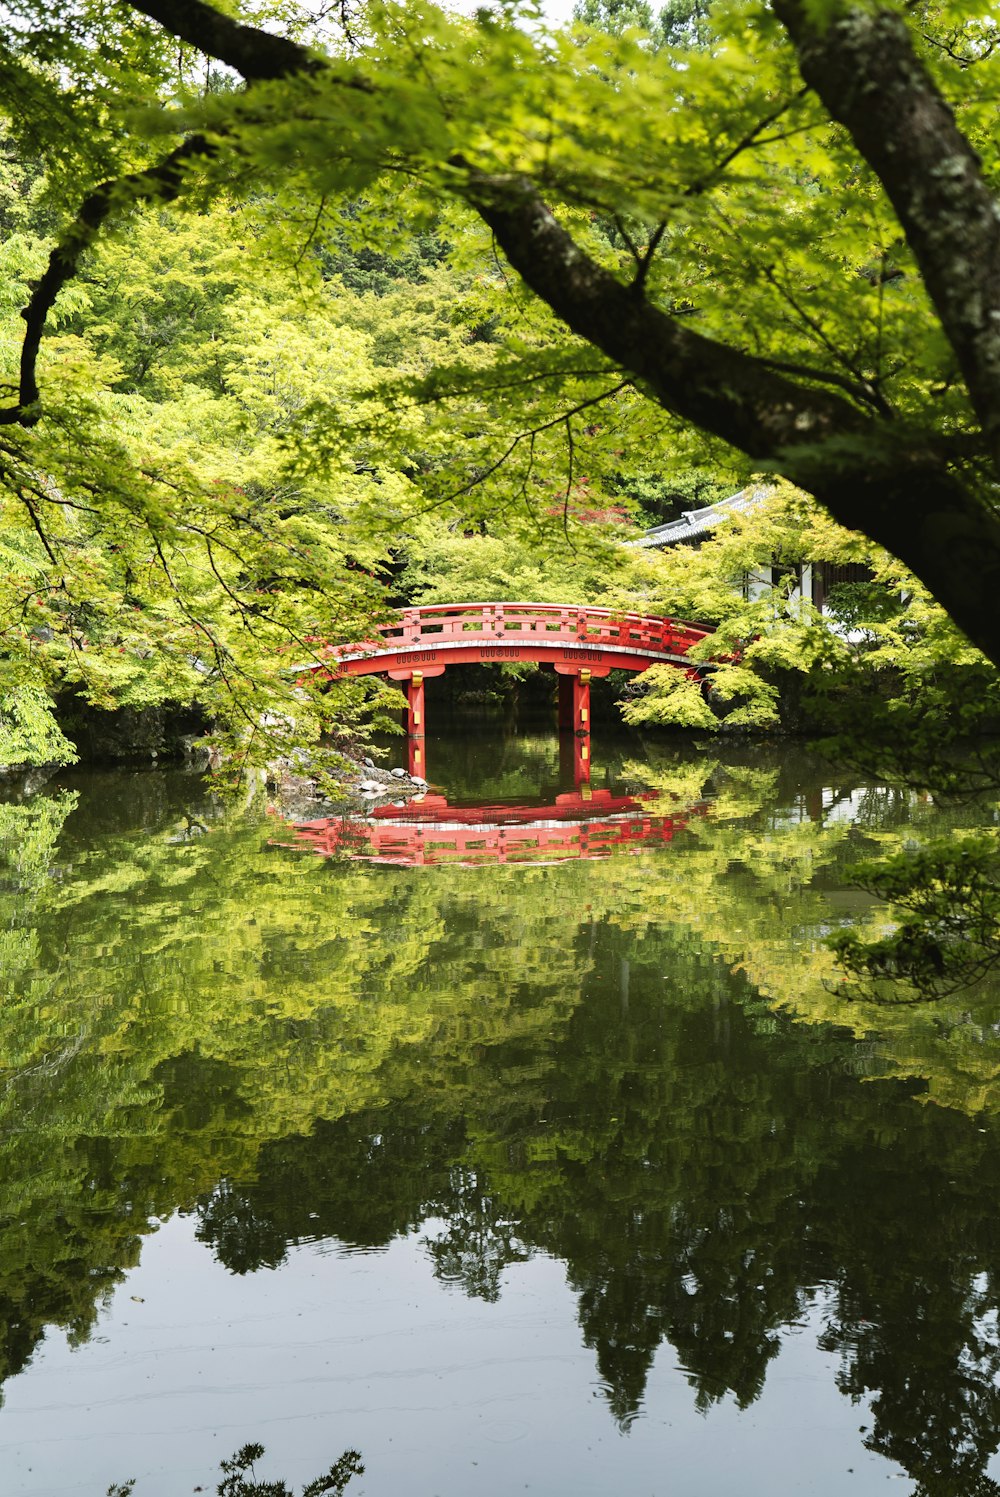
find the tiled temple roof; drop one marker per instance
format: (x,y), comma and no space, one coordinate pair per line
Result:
(695,523)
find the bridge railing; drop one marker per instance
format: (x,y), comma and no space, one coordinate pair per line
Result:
(547,623)
(537,841)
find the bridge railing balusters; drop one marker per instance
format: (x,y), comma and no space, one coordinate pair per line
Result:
(548,624)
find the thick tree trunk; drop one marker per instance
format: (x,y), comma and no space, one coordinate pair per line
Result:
(926,517)
(863,66)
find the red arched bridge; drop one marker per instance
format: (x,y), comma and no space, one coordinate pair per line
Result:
(579,643)
(582,824)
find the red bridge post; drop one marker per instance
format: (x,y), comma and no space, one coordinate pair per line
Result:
(416,712)
(416,715)
(574,718)
(581,701)
(581,726)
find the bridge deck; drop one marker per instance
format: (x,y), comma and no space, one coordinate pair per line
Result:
(440,634)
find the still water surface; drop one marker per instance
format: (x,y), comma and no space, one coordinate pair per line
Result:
(565,1172)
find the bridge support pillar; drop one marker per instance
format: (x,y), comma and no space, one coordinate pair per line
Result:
(416,717)
(416,713)
(581,702)
(574,718)
(581,727)
(574,699)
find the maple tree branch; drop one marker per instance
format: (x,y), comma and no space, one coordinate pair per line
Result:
(717,387)
(162,183)
(255,54)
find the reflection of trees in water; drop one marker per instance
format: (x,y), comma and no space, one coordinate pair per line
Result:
(239,1478)
(244,1238)
(555,1062)
(914,1313)
(478,1240)
(703,1183)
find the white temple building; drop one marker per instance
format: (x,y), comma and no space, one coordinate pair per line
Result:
(812,580)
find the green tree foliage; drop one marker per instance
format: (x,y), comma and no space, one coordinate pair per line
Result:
(777,263)
(883,671)
(199,566)
(677,24)
(28,732)
(948,893)
(514,563)
(289,472)
(240,1477)
(837,332)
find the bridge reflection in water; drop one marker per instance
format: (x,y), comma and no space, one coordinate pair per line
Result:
(578,824)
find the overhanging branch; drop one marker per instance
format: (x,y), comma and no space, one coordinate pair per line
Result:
(719,388)
(256,55)
(162,183)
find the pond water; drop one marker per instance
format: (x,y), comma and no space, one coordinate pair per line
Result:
(521,1143)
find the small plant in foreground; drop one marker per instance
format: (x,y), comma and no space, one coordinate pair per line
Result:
(240,1479)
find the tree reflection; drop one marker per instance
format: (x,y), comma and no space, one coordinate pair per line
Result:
(917,1298)
(478,1240)
(564,1062)
(704,1182)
